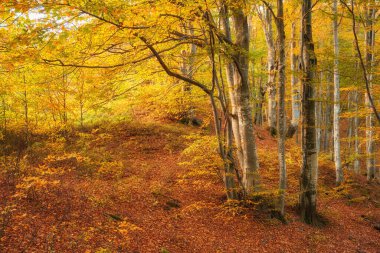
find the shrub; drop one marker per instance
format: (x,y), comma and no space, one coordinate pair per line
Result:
(201,156)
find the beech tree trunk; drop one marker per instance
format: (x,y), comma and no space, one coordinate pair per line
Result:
(326,139)
(318,111)
(370,42)
(309,170)
(356,133)
(239,94)
(294,85)
(337,160)
(281,103)
(232,89)
(244,110)
(350,120)
(271,68)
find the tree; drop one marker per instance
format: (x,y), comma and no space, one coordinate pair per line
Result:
(266,20)
(294,66)
(309,169)
(338,164)
(244,110)
(370,43)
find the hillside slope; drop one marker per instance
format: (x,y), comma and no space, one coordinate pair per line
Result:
(121,189)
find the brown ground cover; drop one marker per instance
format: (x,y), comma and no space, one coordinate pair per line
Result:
(121,189)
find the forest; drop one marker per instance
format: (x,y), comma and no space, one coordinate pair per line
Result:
(189,126)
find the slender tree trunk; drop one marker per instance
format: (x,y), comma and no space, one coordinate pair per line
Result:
(228,167)
(370,42)
(259,104)
(318,111)
(187,69)
(224,140)
(271,68)
(337,160)
(350,120)
(294,85)
(325,115)
(4,130)
(356,133)
(281,103)
(4,115)
(329,108)
(355,120)
(26,111)
(309,171)
(64,84)
(81,103)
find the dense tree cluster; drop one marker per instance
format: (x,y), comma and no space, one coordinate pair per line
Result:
(305,70)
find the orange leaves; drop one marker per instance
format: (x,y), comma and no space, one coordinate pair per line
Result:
(23,7)
(33,186)
(125,228)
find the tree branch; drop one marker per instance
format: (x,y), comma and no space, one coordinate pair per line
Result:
(170,72)
(364,68)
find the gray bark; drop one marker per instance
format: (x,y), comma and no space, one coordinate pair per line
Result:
(309,170)
(281,103)
(244,110)
(328,130)
(318,111)
(259,102)
(271,68)
(232,90)
(370,42)
(337,160)
(356,133)
(294,63)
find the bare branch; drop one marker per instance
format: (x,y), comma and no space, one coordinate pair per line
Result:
(170,72)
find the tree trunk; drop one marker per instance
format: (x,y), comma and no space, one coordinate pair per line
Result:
(81,103)
(271,68)
(244,110)
(337,160)
(4,115)
(232,89)
(187,70)
(281,103)
(318,111)
(64,84)
(224,137)
(259,104)
(350,120)
(26,112)
(228,166)
(356,133)
(326,141)
(309,170)
(294,85)
(370,42)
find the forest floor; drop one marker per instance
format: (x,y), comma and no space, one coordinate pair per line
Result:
(122,189)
